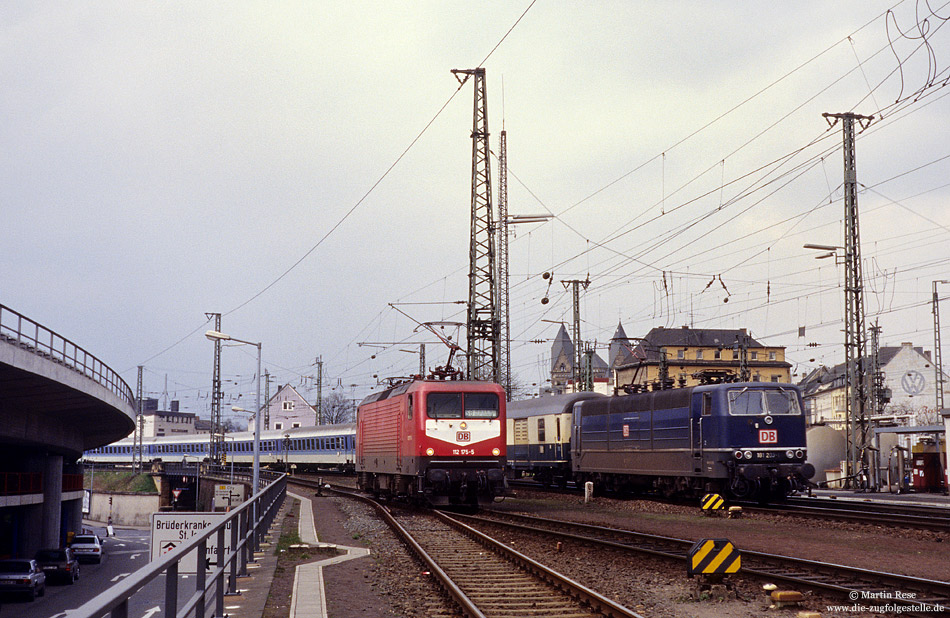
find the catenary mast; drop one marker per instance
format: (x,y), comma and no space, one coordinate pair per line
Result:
(483,320)
(855,346)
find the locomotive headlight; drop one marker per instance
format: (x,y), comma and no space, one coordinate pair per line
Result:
(430,451)
(800,454)
(747,454)
(738,454)
(496,452)
(790,454)
(463,425)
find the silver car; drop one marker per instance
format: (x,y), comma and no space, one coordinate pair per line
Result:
(87,547)
(22,575)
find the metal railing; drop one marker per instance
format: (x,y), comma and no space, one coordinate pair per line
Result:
(248,523)
(20,483)
(17,329)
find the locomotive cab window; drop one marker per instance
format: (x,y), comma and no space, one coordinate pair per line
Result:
(452,405)
(747,402)
(444,405)
(481,405)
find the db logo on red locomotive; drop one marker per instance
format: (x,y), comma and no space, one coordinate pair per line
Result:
(768,436)
(463,436)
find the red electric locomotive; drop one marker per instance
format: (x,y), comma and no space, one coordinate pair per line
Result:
(442,442)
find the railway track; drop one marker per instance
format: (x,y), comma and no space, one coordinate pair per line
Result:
(487,579)
(878,513)
(872,512)
(922,597)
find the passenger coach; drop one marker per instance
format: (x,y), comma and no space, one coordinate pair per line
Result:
(539,437)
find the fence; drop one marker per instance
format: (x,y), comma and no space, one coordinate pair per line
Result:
(248,523)
(20,330)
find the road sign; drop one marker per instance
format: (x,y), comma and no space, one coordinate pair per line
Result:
(170,530)
(227,496)
(176,493)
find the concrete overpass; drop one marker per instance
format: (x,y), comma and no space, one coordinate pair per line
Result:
(56,401)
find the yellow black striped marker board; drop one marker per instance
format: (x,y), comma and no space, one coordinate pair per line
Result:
(713,556)
(712,502)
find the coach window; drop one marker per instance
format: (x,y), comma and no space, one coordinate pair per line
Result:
(541,430)
(481,405)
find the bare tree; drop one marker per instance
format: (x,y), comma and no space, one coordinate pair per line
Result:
(229,425)
(521,389)
(337,408)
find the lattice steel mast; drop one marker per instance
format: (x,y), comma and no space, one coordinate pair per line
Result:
(578,345)
(504,320)
(483,324)
(855,346)
(216,443)
(938,355)
(137,456)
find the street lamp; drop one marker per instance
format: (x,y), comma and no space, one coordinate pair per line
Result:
(831,249)
(214,335)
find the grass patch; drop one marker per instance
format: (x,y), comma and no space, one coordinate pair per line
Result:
(119,481)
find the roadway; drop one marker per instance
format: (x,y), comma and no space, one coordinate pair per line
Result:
(123,554)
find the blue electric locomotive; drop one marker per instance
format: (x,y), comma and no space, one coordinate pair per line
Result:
(744,439)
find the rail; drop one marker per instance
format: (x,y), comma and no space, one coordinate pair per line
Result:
(17,329)
(247,524)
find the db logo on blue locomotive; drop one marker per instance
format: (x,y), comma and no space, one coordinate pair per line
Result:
(463,436)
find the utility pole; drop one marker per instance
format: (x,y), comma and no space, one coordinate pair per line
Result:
(422,360)
(938,356)
(266,418)
(578,346)
(137,458)
(855,344)
(589,366)
(482,321)
(504,319)
(319,390)
(216,444)
(879,393)
(742,347)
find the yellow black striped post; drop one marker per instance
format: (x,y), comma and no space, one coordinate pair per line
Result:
(713,557)
(712,503)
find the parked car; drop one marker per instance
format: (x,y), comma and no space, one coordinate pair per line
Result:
(87,547)
(58,563)
(22,575)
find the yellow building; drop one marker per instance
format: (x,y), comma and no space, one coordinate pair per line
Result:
(690,356)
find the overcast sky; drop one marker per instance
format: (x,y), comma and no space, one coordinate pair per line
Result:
(164,160)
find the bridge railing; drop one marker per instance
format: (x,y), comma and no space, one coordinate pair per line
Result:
(20,330)
(248,522)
